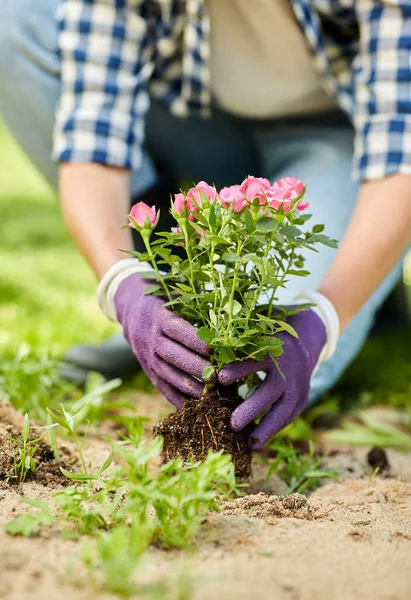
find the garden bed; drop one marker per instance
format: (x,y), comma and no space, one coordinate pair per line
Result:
(349,539)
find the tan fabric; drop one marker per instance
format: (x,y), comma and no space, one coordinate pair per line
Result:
(260,65)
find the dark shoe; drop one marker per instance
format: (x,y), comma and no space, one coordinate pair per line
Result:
(112,359)
(394,314)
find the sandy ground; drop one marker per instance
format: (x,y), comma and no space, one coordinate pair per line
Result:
(353,540)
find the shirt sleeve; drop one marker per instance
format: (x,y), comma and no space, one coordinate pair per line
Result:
(382,89)
(106,66)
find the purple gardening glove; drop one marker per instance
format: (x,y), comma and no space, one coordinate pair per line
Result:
(166,346)
(285,399)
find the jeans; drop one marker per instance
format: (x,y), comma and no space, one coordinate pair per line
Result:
(223,150)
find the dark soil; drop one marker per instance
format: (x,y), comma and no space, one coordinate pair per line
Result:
(47,467)
(377,459)
(203,425)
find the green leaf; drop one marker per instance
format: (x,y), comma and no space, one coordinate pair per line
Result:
(236,307)
(184,287)
(163,252)
(78,476)
(208,372)
(271,344)
(249,222)
(226,355)
(150,289)
(213,317)
(205,334)
(107,463)
(324,239)
(148,275)
(26,428)
(267,225)
(215,239)
(299,273)
(25,525)
(318,228)
(287,327)
(212,219)
(290,231)
(230,257)
(58,419)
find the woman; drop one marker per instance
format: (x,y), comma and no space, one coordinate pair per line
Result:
(274,78)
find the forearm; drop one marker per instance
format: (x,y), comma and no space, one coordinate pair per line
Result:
(95,202)
(378,236)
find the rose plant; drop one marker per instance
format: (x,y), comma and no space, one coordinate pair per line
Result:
(240,245)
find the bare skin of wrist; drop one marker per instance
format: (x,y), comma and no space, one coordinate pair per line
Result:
(95,201)
(377,238)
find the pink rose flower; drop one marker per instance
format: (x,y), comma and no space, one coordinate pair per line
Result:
(146,217)
(179,203)
(284,191)
(255,187)
(233,196)
(194,200)
(288,184)
(277,198)
(176,230)
(302,205)
(194,197)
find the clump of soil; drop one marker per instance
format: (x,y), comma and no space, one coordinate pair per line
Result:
(262,506)
(203,425)
(377,459)
(47,467)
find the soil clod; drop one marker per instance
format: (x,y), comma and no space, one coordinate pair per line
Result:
(377,459)
(262,506)
(203,425)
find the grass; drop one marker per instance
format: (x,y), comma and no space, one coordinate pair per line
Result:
(47,292)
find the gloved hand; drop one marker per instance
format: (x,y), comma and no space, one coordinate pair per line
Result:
(166,346)
(287,398)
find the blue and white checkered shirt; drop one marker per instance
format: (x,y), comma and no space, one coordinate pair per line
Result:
(116,54)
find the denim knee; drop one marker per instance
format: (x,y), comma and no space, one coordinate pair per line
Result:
(10,24)
(26,33)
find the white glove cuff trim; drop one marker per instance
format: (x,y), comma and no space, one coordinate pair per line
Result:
(110,283)
(325,310)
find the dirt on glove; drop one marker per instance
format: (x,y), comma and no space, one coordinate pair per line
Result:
(203,425)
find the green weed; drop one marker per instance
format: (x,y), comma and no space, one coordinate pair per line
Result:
(27,448)
(301,472)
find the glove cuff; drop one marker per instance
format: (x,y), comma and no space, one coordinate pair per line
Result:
(110,283)
(325,310)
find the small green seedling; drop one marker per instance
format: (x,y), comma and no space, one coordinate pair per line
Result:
(27,448)
(301,472)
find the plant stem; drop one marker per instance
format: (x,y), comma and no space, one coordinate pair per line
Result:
(190,261)
(262,282)
(146,240)
(270,304)
(232,293)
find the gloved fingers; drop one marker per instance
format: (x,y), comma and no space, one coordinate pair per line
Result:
(190,387)
(179,330)
(264,396)
(169,392)
(240,369)
(276,419)
(184,359)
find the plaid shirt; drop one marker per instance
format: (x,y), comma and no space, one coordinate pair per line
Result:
(116,54)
